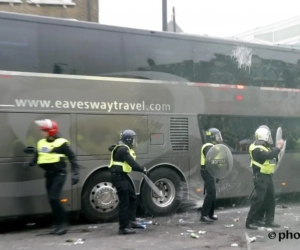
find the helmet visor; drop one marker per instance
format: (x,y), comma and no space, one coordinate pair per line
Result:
(218,137)
(40,123)
(270,140)
(134,141)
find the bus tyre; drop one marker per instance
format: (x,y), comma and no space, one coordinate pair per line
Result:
(99,199)
(169,182)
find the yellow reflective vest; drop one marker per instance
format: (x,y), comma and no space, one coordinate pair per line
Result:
(44,148)
(203,159)
(125,166)
(268,166)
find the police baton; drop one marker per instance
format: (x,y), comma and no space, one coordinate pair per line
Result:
(153,187)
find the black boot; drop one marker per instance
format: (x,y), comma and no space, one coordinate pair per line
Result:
(214,217)
(135,224)
(54,231)
(61,229)
(126,231)
(272,225)
(254,225)
(206,219)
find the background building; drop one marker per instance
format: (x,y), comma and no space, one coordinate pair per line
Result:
(85,10)
(284,33)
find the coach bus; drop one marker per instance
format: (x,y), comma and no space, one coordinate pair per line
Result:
(96,80)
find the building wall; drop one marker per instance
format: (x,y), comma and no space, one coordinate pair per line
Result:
(78,11)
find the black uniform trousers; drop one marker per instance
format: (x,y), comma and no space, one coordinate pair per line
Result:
(263,200)
(54,185)
(127,199)
(208,207)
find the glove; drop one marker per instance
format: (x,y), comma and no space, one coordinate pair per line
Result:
(145,171)
(75,179)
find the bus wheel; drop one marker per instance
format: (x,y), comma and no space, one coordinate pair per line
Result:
(168,181)
(99,198)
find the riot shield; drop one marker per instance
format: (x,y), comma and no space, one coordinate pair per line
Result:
(219,161)
(153,187)
(281,154)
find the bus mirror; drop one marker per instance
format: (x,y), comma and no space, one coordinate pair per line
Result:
(29,150)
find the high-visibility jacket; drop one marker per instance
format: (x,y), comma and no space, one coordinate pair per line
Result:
(125,166)
(203,159)
(45,154)
(268,166)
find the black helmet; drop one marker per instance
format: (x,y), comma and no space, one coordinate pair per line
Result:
(129,137)
(214,135)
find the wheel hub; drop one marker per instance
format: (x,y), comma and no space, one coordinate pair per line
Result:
(168,189)
(103,197)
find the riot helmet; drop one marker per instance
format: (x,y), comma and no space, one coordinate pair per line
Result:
(129,137)
(48,126)
(263,134)
(214,135)
(270,140)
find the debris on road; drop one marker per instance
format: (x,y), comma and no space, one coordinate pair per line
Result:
(249,239)
(146,222)
(195,236)
(285,227)
(94,227)
(190,231)
(234,245)
(79,241)
(259,236)
(265,229)
(229,225)
(202,232)
(236,219)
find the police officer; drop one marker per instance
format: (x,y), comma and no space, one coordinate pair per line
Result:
(213,137)
(51,155)
(121,164)
(263,162)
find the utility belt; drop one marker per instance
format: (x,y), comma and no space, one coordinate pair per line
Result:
(118,176)
(117,169)
(54,168)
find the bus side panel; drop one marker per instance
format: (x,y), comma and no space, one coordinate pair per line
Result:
(22,191)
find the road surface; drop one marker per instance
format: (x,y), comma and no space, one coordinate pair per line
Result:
(166,233)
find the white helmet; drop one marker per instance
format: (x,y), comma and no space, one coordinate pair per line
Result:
(264,134)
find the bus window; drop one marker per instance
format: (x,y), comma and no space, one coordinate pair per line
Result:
(290,130)
(79,51)
(251,66)
(237,131)
(159,55)
(213,64)
(18,46)
(95,133)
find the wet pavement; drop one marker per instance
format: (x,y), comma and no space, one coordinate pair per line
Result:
(167,233)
